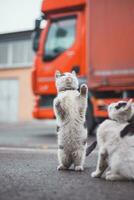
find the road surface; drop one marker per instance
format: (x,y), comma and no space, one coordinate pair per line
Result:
(28,163)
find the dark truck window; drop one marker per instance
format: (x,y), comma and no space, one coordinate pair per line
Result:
(113,94)
(61,36)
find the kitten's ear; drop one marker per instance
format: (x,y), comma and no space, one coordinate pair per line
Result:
(74,73)
(130,102)
(57,74)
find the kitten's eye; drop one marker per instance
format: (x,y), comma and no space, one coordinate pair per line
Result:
(120,105)
(63,74)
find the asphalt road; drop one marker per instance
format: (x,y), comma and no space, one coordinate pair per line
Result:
(28,171)
(35,134)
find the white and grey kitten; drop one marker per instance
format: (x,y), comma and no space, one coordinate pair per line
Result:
(116,151)
(70,108)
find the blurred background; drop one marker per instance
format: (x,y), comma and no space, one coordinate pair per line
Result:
(16,58)
(95,38)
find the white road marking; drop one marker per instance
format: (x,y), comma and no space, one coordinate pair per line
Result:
(27,150)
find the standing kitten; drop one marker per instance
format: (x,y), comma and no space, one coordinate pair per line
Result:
(70,109)
(116,152)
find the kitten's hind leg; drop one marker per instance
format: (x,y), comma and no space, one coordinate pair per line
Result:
(79,158)
(113,177)
(101,164)
(61,167)
(65,161)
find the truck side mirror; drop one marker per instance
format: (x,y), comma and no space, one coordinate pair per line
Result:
(36,33)
(35,38)
(37,24)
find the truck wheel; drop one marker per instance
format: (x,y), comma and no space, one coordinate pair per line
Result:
(91,123)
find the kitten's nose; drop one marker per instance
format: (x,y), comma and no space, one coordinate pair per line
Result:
(69,79)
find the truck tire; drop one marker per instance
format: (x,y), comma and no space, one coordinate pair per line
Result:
(91,123)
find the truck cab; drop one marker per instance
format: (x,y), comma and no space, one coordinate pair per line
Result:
(61,45)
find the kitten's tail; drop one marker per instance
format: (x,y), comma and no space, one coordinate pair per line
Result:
(91,148)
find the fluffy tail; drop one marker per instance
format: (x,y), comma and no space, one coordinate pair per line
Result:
(91,148)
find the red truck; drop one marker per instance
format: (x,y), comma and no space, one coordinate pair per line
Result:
(93,37)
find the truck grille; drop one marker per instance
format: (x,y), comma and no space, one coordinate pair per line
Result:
(46,101)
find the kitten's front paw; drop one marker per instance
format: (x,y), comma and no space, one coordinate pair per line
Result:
(61,167)
(95,174)
(109,177)
(58,104)
(83,89)
(108,173)
(79,168)
(113,177)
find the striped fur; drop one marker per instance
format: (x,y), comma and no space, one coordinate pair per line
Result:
(70,109)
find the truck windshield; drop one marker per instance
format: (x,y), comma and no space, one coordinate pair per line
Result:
(61,36)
